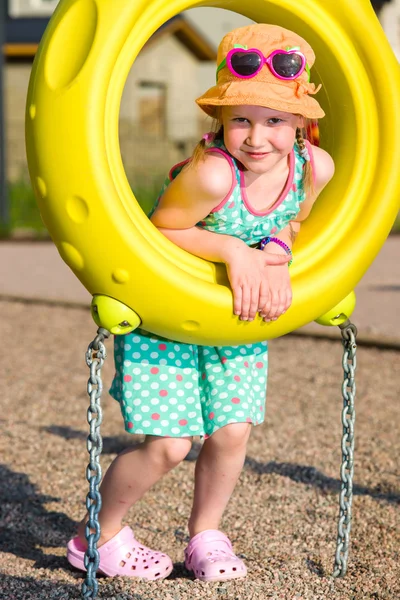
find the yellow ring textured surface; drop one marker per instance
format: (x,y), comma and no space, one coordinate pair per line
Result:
(98,227)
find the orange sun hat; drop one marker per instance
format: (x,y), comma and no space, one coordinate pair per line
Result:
(263,89)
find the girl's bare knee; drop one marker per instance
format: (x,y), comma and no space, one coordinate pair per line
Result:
(231,436)
(168,452)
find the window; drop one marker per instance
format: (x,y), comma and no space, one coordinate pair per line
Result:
(152,108)
(31,8)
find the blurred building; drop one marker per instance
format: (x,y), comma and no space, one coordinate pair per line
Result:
(158,115)
(159,120)
(389,16)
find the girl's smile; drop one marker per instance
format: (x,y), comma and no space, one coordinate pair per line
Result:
(259,137)
(257,155)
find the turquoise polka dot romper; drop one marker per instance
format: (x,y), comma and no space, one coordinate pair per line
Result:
(167,388)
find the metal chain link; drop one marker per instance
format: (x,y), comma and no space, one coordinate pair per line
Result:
(349,334)
(95,357)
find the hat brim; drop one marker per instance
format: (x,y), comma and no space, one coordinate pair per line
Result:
(256,93)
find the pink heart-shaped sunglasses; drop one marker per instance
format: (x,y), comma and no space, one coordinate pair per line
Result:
(283,64)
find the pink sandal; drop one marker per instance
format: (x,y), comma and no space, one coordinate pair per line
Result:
(123,555)
(210,556)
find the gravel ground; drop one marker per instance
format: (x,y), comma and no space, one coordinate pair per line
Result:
(282,517)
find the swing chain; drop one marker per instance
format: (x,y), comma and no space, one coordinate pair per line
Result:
(349,334)
(95,356)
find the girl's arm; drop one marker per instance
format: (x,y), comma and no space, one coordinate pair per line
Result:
(216,247)
(194,193)
(190,198)
(280,297)
(324,170)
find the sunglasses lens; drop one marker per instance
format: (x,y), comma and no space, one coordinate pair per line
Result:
(245,63)
(287,65)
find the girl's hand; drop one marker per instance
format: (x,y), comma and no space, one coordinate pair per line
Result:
(249,276)
(280,296)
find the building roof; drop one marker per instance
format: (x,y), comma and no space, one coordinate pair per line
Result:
(377,4)
(189,36)
(22,37)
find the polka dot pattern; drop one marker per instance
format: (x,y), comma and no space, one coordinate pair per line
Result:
(195,391)
(171,389)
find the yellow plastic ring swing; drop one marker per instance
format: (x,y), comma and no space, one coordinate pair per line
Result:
(135,273)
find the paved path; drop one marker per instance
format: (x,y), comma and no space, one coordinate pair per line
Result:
(34,270)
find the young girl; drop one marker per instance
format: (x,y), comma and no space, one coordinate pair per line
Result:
(240,201)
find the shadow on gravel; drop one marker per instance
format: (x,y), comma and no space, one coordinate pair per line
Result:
(111,444)
(385,288)
(25,523)
(299,473)
(311,476)
(27,588)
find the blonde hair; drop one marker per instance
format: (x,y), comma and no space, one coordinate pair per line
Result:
(217,130)
(307,132)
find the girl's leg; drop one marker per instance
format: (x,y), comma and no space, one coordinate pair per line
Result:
(130,475)
(217,470)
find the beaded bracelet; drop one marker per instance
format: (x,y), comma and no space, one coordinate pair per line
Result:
(286,248)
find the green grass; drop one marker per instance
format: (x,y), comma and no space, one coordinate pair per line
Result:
(396,225)
(23,211)
(146,194)
(24,215)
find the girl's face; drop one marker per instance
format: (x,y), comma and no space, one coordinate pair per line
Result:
(259,137)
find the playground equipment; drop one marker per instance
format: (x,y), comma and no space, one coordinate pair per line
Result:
(135,274)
